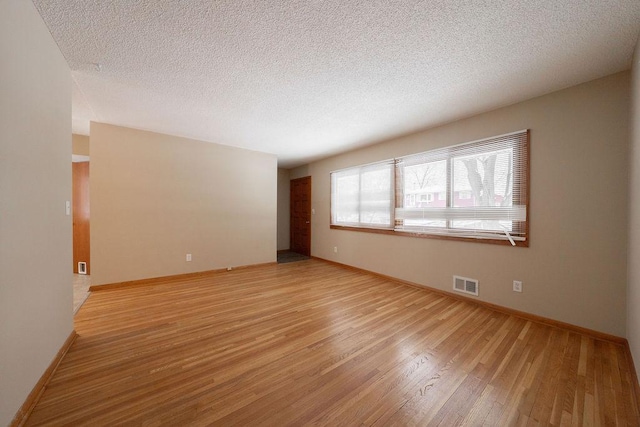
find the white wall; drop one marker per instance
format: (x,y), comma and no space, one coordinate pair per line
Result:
(575,269)
(36,301)
(155,198)
(633,287)
(284,199)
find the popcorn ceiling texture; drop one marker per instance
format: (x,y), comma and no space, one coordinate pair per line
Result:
(307,79)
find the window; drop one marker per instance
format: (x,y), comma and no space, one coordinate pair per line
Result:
(363,196)
(481,192)
(485,183)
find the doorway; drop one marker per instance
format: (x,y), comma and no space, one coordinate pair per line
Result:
(81,237)
(300,216)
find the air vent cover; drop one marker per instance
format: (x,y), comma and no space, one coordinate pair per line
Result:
(465,285)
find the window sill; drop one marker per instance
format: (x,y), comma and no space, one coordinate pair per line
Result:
(522,244)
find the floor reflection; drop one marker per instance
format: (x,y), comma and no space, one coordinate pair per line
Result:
(81,284)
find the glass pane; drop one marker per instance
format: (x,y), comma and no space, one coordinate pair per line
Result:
(483,180)
(345,198)
(375,196)
(425,185)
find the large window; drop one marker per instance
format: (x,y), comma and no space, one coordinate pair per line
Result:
(471,191)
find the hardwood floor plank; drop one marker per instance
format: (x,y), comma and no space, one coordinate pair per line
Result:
(313,343)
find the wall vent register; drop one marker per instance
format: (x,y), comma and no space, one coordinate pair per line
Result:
(465,285)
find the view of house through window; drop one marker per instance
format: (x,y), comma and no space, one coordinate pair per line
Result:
(475,190)
(421,183)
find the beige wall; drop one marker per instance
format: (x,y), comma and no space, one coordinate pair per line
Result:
(299,172)
(155,198)
(633,289)
(575,268)
(36,301)
(283,209)
(80,144)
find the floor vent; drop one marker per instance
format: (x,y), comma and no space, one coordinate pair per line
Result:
(465,285)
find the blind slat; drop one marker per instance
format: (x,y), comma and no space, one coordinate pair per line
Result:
(498,213)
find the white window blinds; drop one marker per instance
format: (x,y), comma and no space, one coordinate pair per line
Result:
(474,190)
(363,196)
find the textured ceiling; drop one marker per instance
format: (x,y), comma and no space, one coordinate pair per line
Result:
(307,79)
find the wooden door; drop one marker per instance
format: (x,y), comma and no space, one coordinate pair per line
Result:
(80,194)
(300,218)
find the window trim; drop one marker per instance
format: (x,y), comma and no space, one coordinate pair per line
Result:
(524,200)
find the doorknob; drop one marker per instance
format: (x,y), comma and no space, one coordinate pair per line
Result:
(307,222)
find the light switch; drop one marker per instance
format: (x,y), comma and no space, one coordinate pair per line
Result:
(67,205)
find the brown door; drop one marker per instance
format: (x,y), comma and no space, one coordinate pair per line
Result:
(80,194)
(300,219)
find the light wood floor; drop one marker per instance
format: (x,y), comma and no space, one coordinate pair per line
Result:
(313,343)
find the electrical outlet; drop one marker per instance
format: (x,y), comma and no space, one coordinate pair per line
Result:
(188,257)
(335,249)
(517,286)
